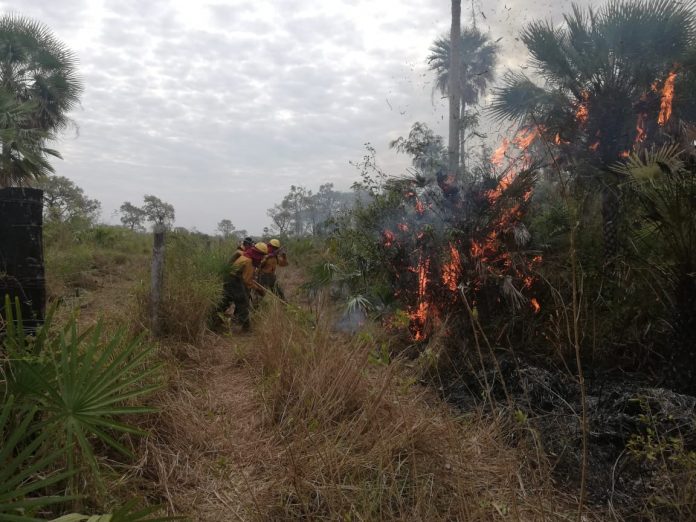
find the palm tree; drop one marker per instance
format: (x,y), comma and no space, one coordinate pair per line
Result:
(24,152)
(39,73)
(477,61)
(604,76)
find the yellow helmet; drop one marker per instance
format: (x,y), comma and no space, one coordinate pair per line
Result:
(261,247)
(274,243)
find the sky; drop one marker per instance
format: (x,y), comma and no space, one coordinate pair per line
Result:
(218,106)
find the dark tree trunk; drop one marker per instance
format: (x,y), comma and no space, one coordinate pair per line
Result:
(454,88)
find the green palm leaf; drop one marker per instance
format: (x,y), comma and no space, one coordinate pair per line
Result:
(93,382)
(23,468)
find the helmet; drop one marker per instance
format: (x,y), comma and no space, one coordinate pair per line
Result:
(274,243)
(248,241)
(261,247)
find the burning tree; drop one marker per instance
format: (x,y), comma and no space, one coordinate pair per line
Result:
(445,242)
(610,78)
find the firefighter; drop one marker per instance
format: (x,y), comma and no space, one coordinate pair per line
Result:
(243,247)
(239,282)
(267,270)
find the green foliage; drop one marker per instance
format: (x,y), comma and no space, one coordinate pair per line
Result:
(194,267)
(26,155)
(64,202)
(668,456)
(39,74)
(478,60)
(80,385)
(23,463)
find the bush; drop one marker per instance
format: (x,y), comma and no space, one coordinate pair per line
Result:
(68,392)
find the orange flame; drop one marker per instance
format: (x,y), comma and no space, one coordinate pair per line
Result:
(641,134)
(524,138)
(624,154)
(583,112)
(451,271)
(419,316)
(594,146)
(666,99)
(498,156)
(388,238)
(476,249)
(420,207)
(494,194)
(403,227)
(535,304)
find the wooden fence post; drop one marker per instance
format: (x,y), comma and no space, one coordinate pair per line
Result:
(157,277)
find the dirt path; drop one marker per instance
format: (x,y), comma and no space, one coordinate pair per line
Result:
(210,449)
(209,453)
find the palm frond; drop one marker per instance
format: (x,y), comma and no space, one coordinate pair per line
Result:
(25,467)
(651,163)
(518,98)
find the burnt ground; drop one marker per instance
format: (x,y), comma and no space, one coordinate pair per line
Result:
(620,407)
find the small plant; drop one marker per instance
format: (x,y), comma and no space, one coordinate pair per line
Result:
(68,389)
(23,462)
(673,465)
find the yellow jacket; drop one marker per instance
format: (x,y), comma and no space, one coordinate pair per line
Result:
(270,263)
(243,268)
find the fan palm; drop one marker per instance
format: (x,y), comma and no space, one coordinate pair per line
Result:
(665,187)
(478,60)
(25,155)
(603,74)
(40,73)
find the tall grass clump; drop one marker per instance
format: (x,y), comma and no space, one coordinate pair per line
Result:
(192,287)
(361,442)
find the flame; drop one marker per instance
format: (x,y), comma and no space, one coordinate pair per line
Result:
(451,271)
(535,304)
(420,207)
(403,227)
(476,249)
(583,112)
(594,146)
(624,154)
(498,156)
(419,316)
(494,194)
(666,99)
(524,137)
(640,128)
(388,238)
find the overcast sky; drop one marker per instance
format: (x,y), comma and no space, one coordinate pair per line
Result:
(219,106)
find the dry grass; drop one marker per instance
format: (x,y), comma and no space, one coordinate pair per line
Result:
(358,441)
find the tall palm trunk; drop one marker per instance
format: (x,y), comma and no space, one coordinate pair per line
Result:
(454,88)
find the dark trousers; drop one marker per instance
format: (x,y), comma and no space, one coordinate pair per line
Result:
(270,282)
(234,291)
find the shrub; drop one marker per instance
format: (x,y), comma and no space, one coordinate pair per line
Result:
(69,390)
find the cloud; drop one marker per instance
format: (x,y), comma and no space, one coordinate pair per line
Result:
(219,106)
